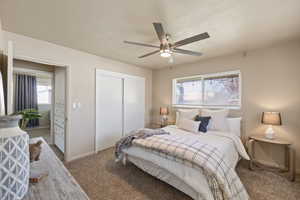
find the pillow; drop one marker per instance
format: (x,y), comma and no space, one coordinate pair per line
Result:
(186,114)
(234,125)
(188,125)
(218,120)
(203,123)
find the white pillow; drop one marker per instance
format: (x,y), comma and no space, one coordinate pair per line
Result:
(188,125)
(234,125)
(218,119)
(186,114)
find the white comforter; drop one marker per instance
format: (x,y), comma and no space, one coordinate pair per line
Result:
(227,143)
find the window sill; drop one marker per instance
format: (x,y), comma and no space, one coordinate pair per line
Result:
(208,106)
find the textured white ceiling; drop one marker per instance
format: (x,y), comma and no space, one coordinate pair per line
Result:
(100,26)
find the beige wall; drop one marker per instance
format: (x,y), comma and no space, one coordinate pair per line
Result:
(82,85)
(270,81)
(1,36)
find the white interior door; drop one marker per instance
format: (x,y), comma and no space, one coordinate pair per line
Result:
(59,108)
(109,110)
(134,103)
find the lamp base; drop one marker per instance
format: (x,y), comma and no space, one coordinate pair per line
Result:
(164,120)
(270,134)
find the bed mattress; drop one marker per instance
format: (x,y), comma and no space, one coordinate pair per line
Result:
(189,180)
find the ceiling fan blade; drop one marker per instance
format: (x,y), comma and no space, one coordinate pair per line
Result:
(149,54)
(159,31)
(189,40)
(141,44)
(183,51)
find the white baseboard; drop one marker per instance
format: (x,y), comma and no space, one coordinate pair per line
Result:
(80,156)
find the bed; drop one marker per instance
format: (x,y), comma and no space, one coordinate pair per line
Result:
(184,177)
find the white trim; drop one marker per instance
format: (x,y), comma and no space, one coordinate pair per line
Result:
(40,61)
(202,77)
(33,72)
(116,74)
(210,75)
(206,106)
(10,84)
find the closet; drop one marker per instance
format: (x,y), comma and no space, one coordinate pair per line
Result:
(120,106)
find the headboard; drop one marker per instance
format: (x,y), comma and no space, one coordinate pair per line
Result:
(233,123)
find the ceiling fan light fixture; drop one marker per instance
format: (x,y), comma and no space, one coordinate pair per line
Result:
(165,53)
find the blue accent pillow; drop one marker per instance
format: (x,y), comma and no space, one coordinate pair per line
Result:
(204,123)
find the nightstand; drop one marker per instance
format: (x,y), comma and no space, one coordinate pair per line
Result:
(289,152)
(160,125)
(156,125)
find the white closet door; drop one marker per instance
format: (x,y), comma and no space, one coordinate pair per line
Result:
(109,110)
(134,103)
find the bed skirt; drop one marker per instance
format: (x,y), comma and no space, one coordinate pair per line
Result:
(163,175)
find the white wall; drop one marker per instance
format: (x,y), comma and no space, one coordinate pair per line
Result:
(82,85)
(270,81)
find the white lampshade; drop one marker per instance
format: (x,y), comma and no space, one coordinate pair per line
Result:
(164,111)
(271,118)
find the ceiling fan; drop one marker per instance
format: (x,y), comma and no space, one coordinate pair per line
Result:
(166,47)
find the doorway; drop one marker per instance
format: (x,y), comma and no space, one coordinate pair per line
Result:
(42,87)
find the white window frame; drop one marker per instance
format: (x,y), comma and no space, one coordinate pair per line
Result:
(49,98)
(47,76)
(203,76)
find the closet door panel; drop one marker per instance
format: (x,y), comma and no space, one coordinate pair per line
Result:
(109,109)
(134,104)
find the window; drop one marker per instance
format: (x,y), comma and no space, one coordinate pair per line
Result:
(44,91)
(211,90)
(189,92)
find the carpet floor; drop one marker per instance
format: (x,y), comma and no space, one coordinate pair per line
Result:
(102,178)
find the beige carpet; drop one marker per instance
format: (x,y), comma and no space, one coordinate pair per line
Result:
(103,179)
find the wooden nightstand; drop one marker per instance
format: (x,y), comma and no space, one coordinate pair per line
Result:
(160,125)
(289,152)
(156,125)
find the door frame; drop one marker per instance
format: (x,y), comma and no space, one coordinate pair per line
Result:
(67,157)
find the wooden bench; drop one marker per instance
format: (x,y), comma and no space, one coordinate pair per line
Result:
(59,184)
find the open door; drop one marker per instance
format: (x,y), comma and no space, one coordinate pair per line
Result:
(59,107)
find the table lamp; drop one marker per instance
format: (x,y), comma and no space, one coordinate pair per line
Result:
(164,111)
(271,118)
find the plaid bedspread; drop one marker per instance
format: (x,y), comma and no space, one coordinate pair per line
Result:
(223,181)
(126,141)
